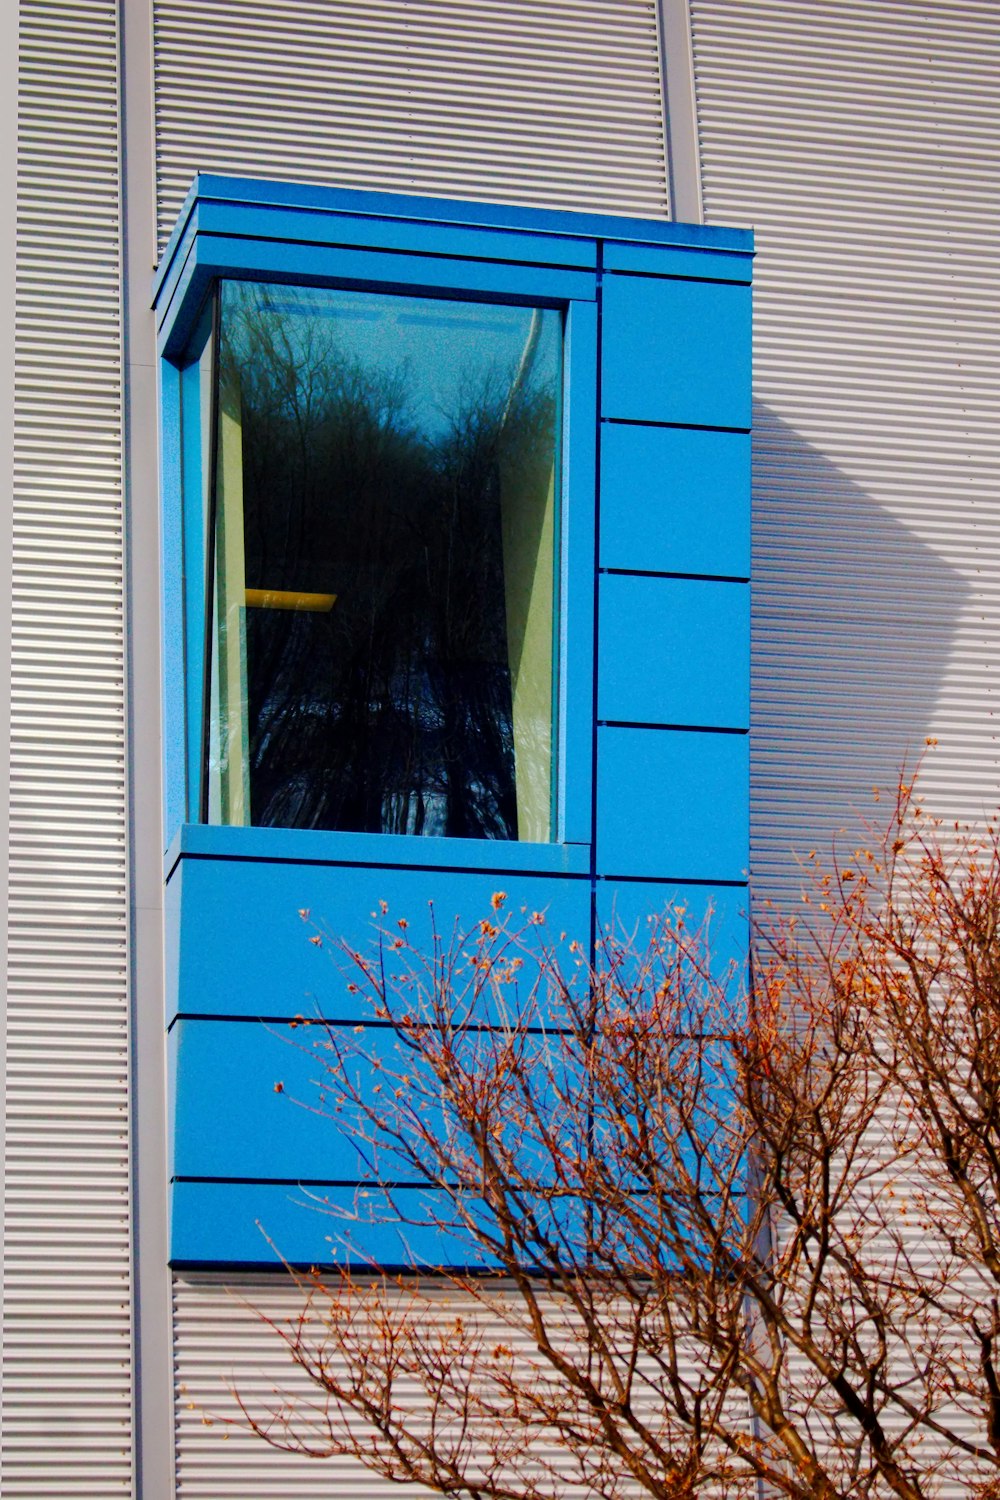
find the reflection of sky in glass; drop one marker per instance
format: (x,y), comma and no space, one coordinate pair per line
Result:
(445,347)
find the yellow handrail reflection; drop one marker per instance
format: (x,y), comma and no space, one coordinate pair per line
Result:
(320,604)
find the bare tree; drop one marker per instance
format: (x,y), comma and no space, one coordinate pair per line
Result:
(712,1239)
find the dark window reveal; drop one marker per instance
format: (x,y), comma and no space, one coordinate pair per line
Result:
(384,564)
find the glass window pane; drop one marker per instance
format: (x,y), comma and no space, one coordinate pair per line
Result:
(384,566)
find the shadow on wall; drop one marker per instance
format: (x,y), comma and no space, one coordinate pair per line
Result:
(853,620)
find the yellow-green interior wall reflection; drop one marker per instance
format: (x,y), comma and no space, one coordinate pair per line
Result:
(528,521)
(230,676)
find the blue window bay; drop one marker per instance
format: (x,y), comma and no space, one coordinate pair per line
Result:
(383,558)
(455,600)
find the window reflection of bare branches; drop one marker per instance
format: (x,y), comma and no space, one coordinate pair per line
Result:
(385,556)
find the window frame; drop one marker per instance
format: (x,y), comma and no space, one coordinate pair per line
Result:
(401,249)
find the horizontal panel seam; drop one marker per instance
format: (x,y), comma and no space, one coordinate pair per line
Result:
(682,426)
(673,728)
(741,578)
(384,864)
(382,250)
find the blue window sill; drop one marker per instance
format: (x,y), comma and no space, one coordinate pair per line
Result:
(314,846)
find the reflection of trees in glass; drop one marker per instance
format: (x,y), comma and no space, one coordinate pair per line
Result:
(392,711)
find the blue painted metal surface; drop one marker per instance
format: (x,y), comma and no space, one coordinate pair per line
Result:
(266,1224)
(627,911)
(238,946)
(674,651)
(317,846)
(256,1102)
(413,236)
(701,265)
(574,739)
(669,328)
(172,600)
(262,194)
(674,500)
(686,813)
(676,351)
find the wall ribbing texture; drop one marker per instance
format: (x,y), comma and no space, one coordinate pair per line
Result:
(67,1378)
(554,103)
(863,143)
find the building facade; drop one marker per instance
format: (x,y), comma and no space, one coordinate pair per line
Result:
(859,143)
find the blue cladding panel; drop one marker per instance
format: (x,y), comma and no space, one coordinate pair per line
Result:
(675,500)
(327,847)
(718,912)
(251,1099)
(576,580)
(172,601)
(233,1223)
(674,651)
(329,203)
(676,351)
(260,1100)
(236,945)
(650,260)
(673,804)
(465,240)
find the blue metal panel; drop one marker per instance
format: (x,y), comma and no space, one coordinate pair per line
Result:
(412,235)
(661,260)
(172,600)
(718,912)
(676,351)
(174,301)
(674,651)
(237,946)
(261,193)
(255,1223)
(408,851)
(675,500)
(255,1100)
(673,804)
(576,584)
(455,211)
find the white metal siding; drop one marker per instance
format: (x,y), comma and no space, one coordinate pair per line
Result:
(554,102)
(67,1381)
(863,143)
(222,1344)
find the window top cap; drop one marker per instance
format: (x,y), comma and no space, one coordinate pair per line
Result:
(262,193)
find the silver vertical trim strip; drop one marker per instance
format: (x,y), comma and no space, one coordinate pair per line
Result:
(680,113)
(154,1365)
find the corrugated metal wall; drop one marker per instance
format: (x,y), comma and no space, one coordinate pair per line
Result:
(67,1387)
(555,102)
(863,143)
(221,1342)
